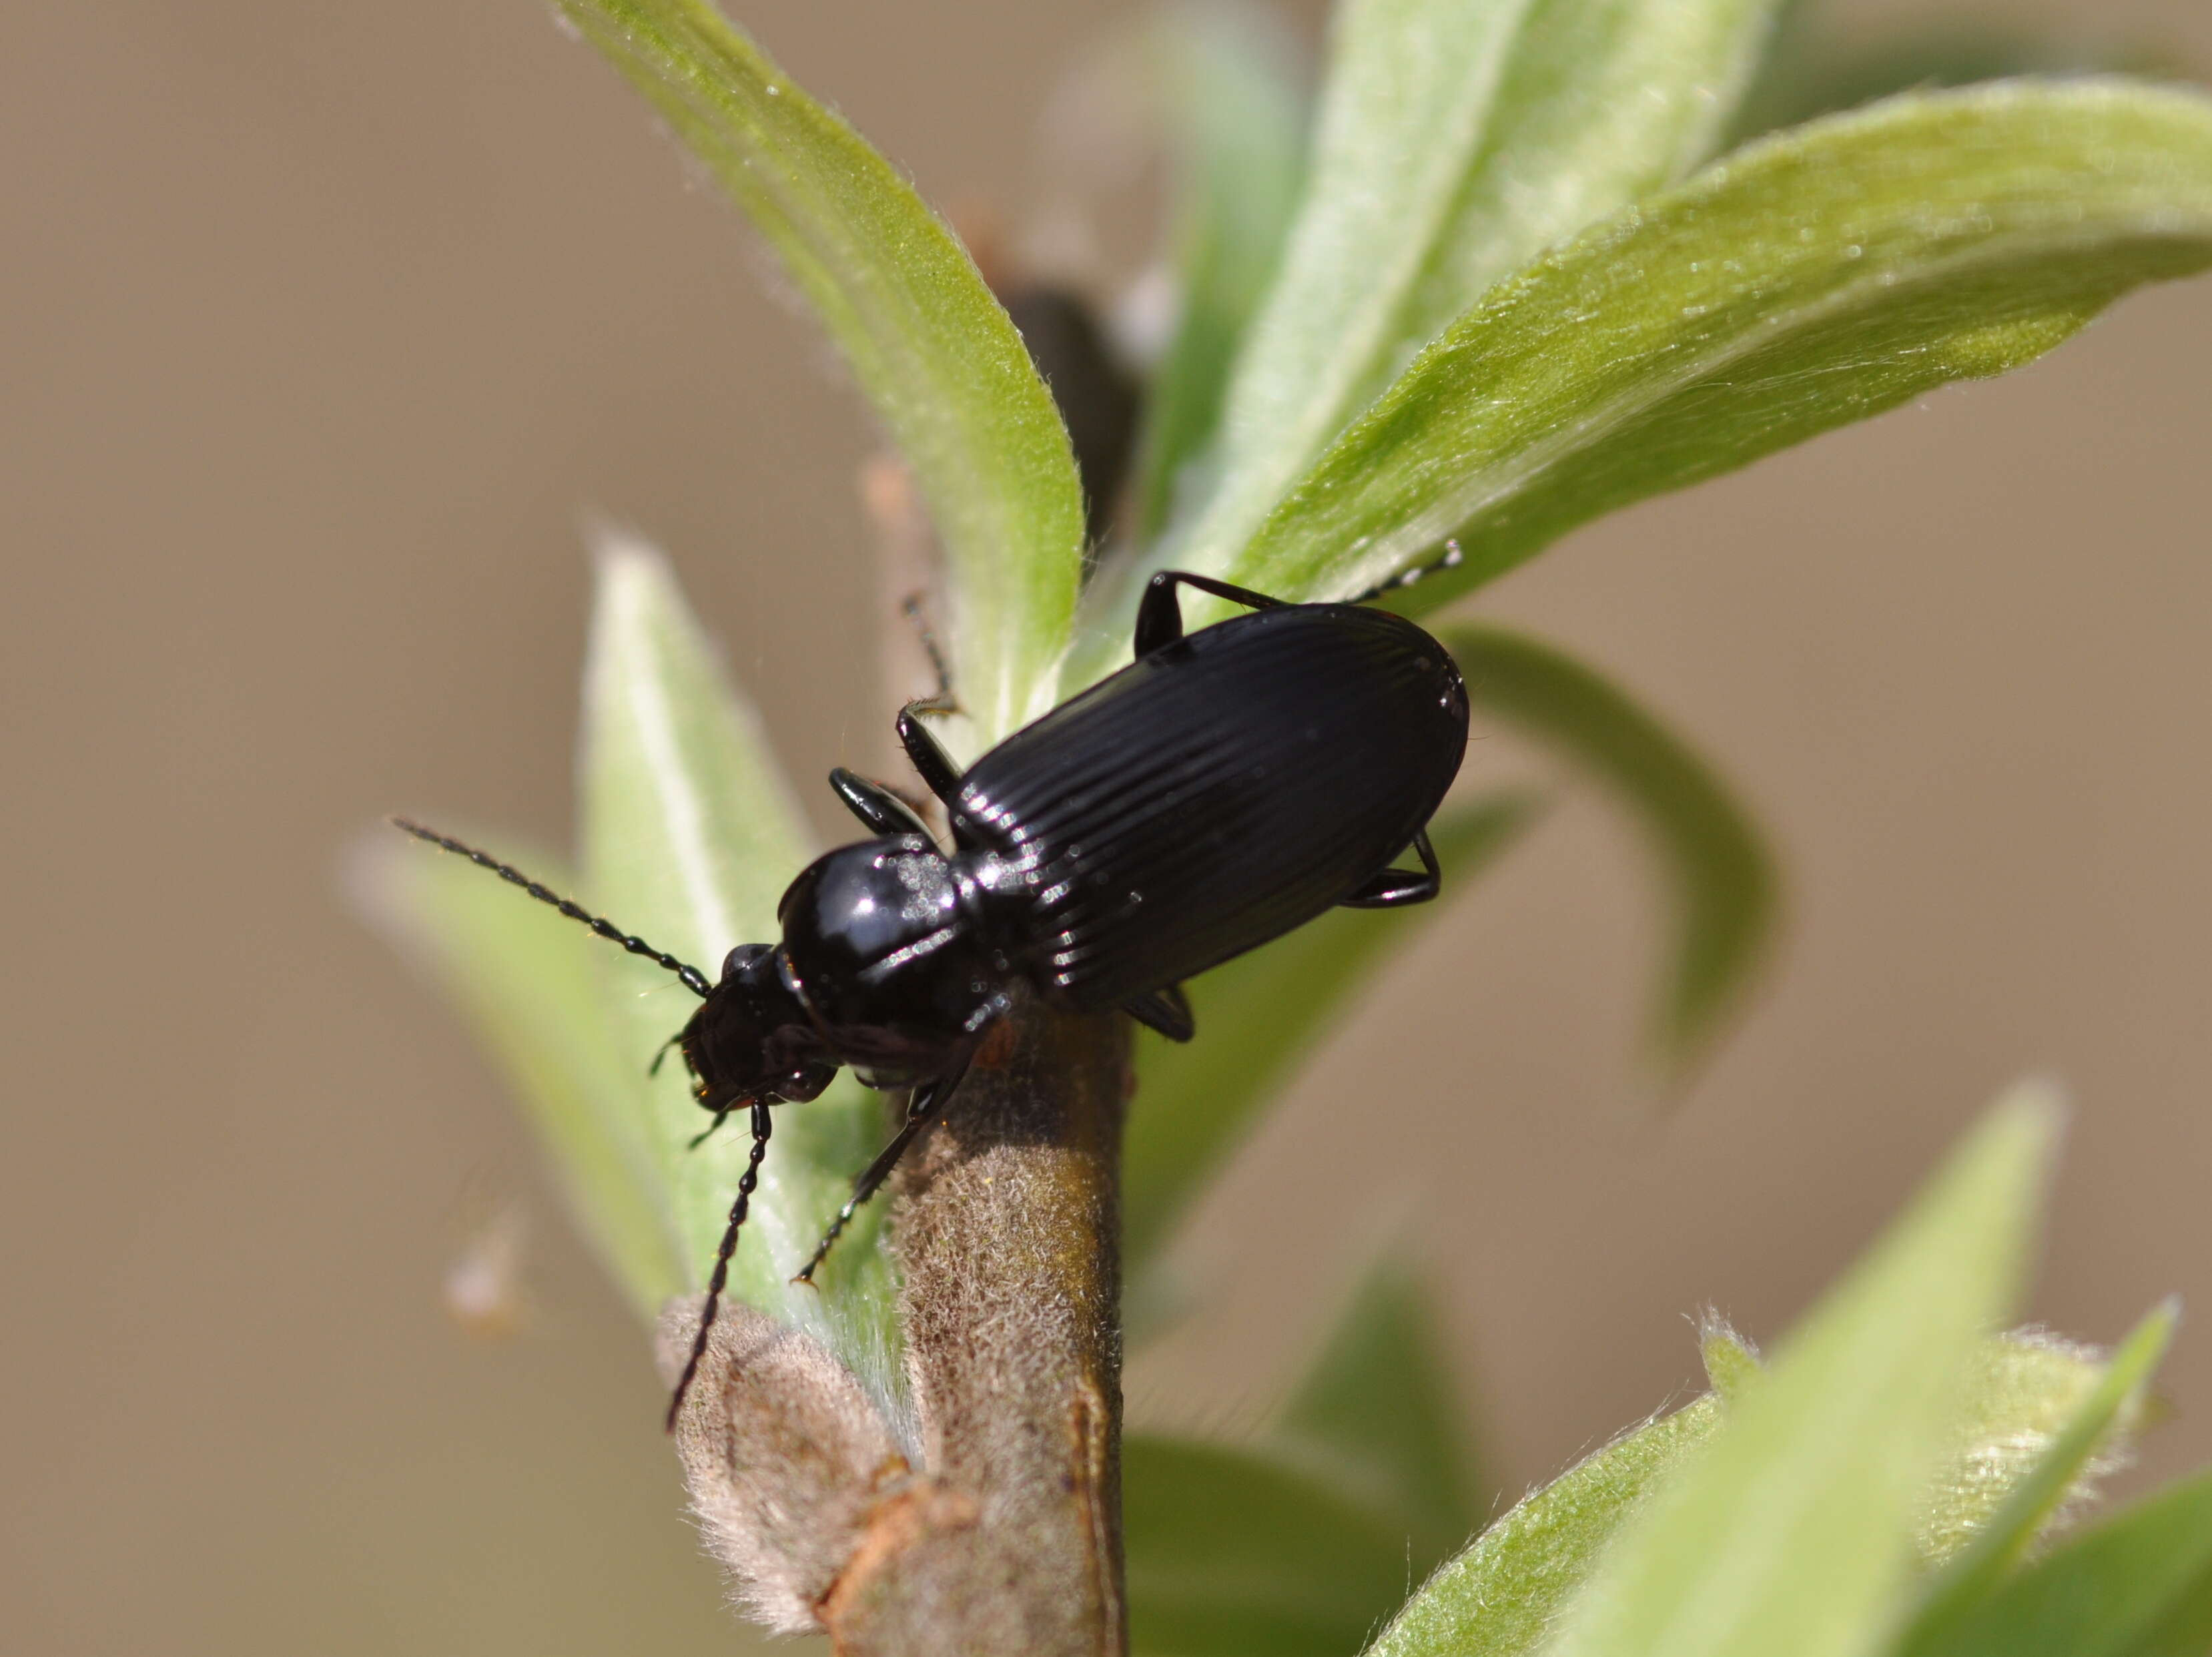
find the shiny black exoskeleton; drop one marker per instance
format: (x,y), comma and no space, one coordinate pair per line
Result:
(1227,786)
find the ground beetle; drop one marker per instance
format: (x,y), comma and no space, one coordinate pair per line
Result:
(1226,786)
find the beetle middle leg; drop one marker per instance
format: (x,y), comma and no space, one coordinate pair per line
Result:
(923,1107)
(876,806)
(1159,615)
(1393,888)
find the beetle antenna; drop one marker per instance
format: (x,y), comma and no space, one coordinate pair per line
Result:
(693,979)
(1450,559)
(763,1123)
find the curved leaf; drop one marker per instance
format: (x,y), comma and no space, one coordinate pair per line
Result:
(1814,278)
(2140,1585)
(690,837)
(1257,1016)
(933,348)
(1719,876)
(1503,1596)
(1376,1412)
(1602,102)
(1237,119)
(1403,108)
(2029,1495)
(523,976)
(1232,1550)
(1812,69)
(1792,1533)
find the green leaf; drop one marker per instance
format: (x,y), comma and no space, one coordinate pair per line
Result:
(522,975)
(1718,874)
(690,837)
(1793,1534)
(934,352)
(1403,109)
(1235,113)
(2140,1585)
(1602,102)
(1257,1016)
(1377,1413)
(1503,1594)
(1810,71)
(1817,278)
(2021,1468)
(1456,141)
(2042,1420)
(1233,1553)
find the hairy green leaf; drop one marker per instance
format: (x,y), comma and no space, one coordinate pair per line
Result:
(1257,1016)
(1602,102)
(2028,1490)
(1503,1594)
(1236,114)
(691,836)
(1377,1413)
(1718,874)
(1403,108)
(1235,1550)
(1817,278)
(934,352)
(1792,1534)
(523,976)
(2042,1420)
(2139,1585)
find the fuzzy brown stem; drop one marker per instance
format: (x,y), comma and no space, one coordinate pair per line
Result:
(1010,1543)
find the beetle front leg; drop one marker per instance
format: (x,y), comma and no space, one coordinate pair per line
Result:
(925,1105)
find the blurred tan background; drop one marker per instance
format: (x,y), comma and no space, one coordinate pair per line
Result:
(319,325)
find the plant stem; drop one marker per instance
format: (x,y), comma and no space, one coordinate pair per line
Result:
(1010,1543)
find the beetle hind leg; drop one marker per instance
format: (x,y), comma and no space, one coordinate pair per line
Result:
(1159,614)
(1393,888)
(1164,1010)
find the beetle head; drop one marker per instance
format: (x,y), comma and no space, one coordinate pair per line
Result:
(750,1039)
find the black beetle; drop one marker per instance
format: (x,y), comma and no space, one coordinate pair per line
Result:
(1226,786)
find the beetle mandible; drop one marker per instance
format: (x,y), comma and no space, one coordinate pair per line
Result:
(1228,785)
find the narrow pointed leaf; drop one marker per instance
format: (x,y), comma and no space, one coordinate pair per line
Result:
(1793,1534)
(1377,1412)
(1602,102)
(522,975)
(1235,113)
(1719,877)
(690,837)
(1257,1016)
(2139,1585)
(1235,1550)
(2036,1493)
(1817,278)
(1403,108)
(933,350)
(1504,1593)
